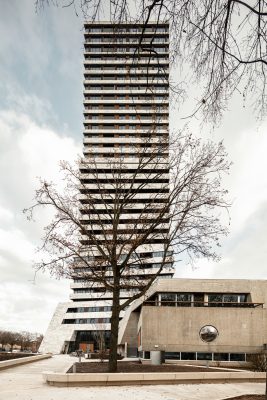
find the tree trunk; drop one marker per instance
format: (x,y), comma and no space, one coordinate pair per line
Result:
(114,331)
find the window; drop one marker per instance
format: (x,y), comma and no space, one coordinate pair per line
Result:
(215,298)
(146,355)
(226,300)
(221,356)
(237,357)
(168,299)
(230,298)
(188,356)
(198,299)
(183,299)
(204,356)
(172,355)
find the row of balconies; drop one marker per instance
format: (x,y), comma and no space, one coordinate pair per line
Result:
(148,70)
(126,223)
(125,149)
(116,160)
(125,216)
(138,196)
(109,120)
(102,210)
(85,285)
(111,58)
(112,109)
(148,254)
(129,41)
(153,61)
(123,91)
(97,213)
(127,113)
(118,140)
(126,79)
(82,274)
(138,101)
(123,234)
(137,206)
(126,83)
(126,43)
(138,129)
(109,133)
(151,181)
(122,123)
(100,296)
(133,51)
(124,158)
(132,124)
(126,31)
(147,186)
(102,85)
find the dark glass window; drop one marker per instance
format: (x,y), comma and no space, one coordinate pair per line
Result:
(204,356)
(243,298)
(198,299)
(188,356)
(168,299)
(146,355)
(183,299)
(220,356)
(172,355)
(237,357)
(215,298)
(230,298)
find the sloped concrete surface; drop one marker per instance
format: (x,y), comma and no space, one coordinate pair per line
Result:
(23,360)
(26,383)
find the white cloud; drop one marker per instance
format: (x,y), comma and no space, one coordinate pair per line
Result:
(27,150)
(243,253)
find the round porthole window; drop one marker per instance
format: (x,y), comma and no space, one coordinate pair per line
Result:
(208,333)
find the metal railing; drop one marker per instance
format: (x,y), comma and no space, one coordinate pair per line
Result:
(170,303)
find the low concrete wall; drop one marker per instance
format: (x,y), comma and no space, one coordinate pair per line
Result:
(153,378)
(22,360)
(217,364)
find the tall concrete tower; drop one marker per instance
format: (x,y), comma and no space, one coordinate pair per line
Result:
(125,115)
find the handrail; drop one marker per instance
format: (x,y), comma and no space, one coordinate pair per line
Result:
(189,303)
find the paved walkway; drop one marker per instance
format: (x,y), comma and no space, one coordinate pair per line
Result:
(25,383)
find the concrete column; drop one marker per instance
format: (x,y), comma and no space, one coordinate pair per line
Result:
(156,357)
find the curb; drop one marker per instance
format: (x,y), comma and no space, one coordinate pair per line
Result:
(24,360)
(163,378)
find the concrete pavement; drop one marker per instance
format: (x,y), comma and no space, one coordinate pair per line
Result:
(26,383)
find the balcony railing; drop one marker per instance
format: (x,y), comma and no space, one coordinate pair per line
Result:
(170,303)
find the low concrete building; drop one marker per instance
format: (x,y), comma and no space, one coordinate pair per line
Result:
(173,312)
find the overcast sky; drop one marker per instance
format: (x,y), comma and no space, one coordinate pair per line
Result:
(41,124)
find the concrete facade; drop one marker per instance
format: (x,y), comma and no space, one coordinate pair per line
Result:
(175,327)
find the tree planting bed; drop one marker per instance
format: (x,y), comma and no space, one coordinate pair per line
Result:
(135,366)
(14,356)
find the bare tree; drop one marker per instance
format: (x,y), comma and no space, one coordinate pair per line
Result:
(91,238)
(26,340)
(259,363)
(12,339)
(4,338)
(99,334)
(223,41)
